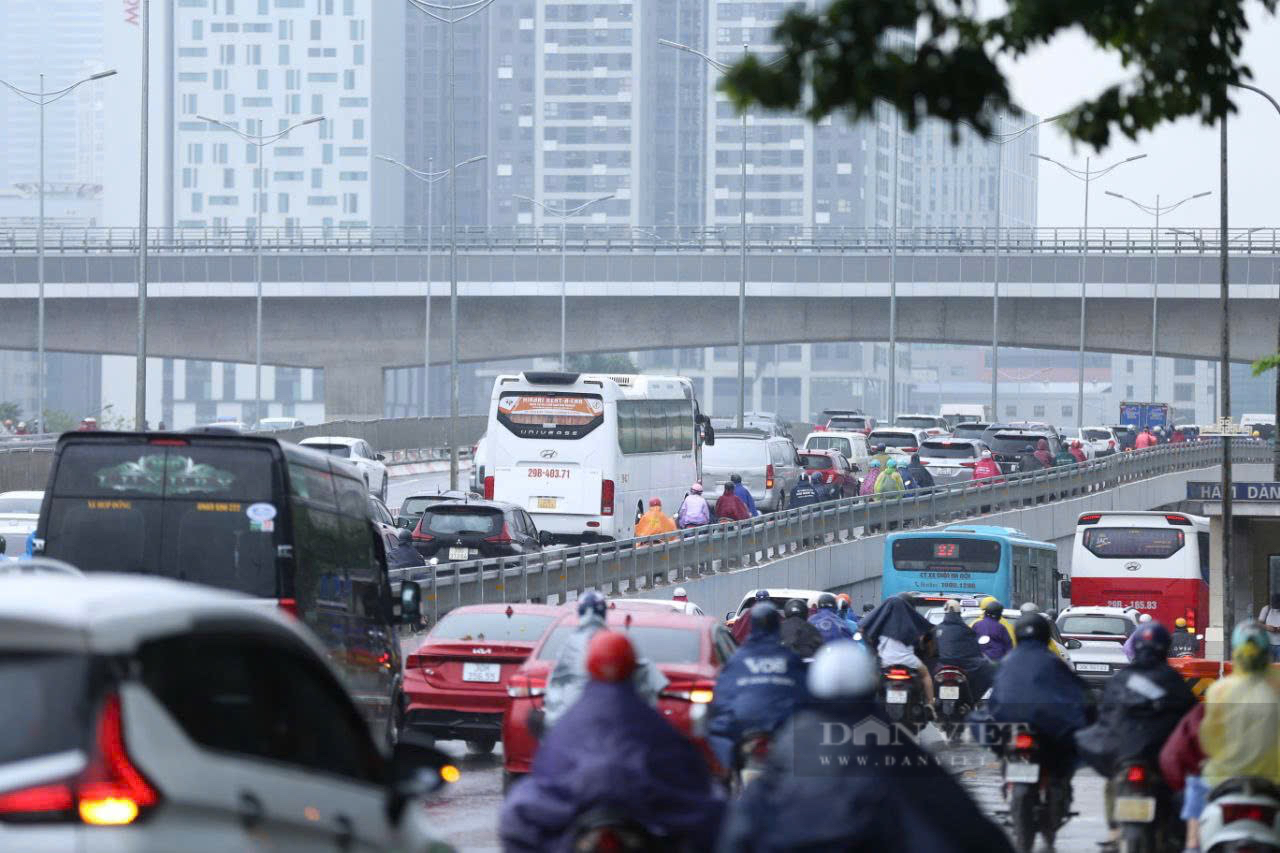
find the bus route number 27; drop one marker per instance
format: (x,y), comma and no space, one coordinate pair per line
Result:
(548,473)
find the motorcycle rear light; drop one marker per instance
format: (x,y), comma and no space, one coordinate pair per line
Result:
(502,537)
(1181,520)
(606,497)
(1092,518)
(1136,774)
(768,476)
(898,673)
(1248,811)
(288,605)
(1023,741)
(488,488)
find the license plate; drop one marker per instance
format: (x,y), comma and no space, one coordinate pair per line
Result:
(1135,809)
(459,553)
(949,691)
(1021,771)
(896,697)
(1092,667)
(489,673)
(546,503)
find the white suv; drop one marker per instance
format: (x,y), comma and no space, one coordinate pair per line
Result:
(1102,439)
(358,452)
(159,716)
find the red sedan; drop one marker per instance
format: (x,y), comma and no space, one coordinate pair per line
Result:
(689,650)
(455,684)
(837,473)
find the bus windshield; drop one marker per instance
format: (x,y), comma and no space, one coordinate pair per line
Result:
(550,414)
(946,554)
(1126,543)
(203,514)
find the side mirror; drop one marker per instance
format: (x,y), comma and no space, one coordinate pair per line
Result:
(380,457)
(417,769)
(1064,588)
(410,603)
(544,539)
(1074,644)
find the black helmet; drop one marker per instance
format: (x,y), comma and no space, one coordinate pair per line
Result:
(826,601)
(592,601)
(1151,642)
(404,535)
(798,607)
(735,478)
(1032,628)
(765,618)
(994,609)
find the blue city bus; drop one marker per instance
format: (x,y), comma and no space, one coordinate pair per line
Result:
(970,561)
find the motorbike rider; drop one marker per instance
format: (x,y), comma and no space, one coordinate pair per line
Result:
(612,735)
(655,521)
(986,468)
(680,594)
(569,675)
(868,486)
(1184,643)
(1141,705)
(741,628)
(828,621)
(744,494)
(797,634)
(759,687)
(958,646)
(803,802)
(694,510)
(730,506)
(404,555)
(844,607)
(805,492)
(1027,460)
(918,473)
(895,630)
(992,626)
(889,480)
(1240,734)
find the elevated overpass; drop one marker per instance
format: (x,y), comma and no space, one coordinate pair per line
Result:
(350,302)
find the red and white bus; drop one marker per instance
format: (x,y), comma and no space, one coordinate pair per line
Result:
(1155,562)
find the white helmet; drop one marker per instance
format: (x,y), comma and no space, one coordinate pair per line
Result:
(679,594)
(1145,617)
(1028,607)
(843,670)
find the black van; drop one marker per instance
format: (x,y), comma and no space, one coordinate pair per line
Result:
(281,523)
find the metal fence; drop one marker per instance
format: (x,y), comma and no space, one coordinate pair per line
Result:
(631,565)
(623,238)
(25,468)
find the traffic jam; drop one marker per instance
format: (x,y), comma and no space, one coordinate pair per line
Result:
(205,649)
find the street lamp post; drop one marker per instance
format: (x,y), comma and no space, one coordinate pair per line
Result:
(430,178)
(563,214)
(449,15)
(42,98)
(1086,176)
(1155,210)
(261,141)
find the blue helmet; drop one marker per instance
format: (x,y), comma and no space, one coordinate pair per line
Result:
(593,602)
(816,478)
(875,463)
(762,595)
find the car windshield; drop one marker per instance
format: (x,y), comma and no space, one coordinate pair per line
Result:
(917,423)
(816,461)
(1005,442)
(492,627)
(1097,435)
(831,442)
(418,505)
(46,708)
(20,506)
(1126,543)
(447,520)
(735,453)
(893,439)
(1112,626)
(947,450)
(340,450)
(658,644)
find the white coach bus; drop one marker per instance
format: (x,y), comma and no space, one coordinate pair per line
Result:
(584,453)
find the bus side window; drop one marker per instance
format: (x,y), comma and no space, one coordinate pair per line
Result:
(1202,540)
(1019,583)
(628,426)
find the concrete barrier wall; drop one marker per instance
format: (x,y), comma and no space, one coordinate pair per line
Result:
(25,470)
(396,433)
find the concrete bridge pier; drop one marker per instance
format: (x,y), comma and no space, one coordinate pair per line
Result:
(353,390)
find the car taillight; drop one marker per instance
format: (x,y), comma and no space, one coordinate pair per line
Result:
(503,536)
(288,605)
(968,464)
(698,694)
(419,536)
(1191,619)
(768,476)
(1092,518)
(1136,774)
(1023,741)
(606,497)
(488,488)
(898,673)
(523,687)
(1232,812)
(168,442)
(110,791)
(1180,520)
(829,476)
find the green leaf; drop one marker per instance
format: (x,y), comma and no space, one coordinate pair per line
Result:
(1266,363)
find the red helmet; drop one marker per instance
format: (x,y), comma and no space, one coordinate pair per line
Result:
(610,657)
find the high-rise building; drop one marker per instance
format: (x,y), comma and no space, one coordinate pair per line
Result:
(957,180)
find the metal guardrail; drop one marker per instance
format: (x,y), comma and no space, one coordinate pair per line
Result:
(615,567)
(25,468)
(625,238)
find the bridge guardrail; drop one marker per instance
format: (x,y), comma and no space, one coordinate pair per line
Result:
(394,434)
(614,567)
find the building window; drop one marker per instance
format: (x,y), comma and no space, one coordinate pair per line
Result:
(1184,392)
(1067,411)
(1010,411)
(1037,411)
(1184,367)
(1128,365)
(1128,392)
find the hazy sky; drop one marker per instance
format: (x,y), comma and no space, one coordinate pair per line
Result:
(1182,158)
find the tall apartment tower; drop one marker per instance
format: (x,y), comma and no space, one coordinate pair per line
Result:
(958,181)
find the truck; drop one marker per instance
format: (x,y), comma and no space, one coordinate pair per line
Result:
(963,413)
(1140,416)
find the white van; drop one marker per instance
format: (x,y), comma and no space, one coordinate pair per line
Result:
(852,444)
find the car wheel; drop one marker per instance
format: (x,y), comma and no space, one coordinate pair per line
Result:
(483,746)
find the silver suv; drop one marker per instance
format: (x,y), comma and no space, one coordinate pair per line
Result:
(951,460)
(1095,640)
(768,464)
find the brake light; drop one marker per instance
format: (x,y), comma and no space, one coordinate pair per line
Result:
(1232,812)
(502,536)
(111,791)
(1136,774)
(42,801)
(606,497)
(910,449)
(168,442)
(419,536)
(1191,619)
(698,694)
(288,605)
(488,488)
(1092,518)
(1180,520)
(768,476)
(898,673)
(968,464)
(1024,741)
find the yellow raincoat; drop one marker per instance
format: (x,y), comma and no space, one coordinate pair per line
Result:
(1240,733)
(655,521)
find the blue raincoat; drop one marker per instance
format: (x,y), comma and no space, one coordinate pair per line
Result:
(831,626)
(611,750)
(758,689)
(1034,686)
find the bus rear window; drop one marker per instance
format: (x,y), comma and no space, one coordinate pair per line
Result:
(946,554)
(550,415)
(1127,543)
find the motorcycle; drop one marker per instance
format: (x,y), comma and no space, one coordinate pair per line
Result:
(1039,794)
(955,699)
(902,697)
(609,830)
(1241,814)
(1143,810)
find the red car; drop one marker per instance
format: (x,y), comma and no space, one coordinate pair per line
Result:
(837,473)
(689,650)
(455,684)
